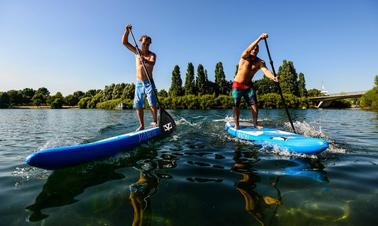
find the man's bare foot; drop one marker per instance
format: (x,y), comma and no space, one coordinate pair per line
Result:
(140,128)
(154,124)
(258,127)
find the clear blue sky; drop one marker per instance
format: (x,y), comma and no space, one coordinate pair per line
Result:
(76,44)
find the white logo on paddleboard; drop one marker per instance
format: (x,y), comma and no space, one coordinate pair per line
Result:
(167,127)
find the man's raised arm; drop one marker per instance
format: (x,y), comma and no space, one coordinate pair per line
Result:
(247,51)
(125,39)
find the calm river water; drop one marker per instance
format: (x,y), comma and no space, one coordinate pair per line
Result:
(197,176)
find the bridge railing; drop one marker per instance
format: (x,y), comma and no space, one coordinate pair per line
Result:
(339,95)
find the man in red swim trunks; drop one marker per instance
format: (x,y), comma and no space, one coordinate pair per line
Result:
(242,86)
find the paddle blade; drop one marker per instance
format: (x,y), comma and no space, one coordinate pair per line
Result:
(166,122)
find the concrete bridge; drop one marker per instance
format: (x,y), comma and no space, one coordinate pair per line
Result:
(327,100)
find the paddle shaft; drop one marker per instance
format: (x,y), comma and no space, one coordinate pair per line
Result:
(145,70)
(278,85)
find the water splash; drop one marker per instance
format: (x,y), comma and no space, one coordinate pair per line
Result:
(308,130)
(231,119)
(27,173)
(183,121)
(281,151)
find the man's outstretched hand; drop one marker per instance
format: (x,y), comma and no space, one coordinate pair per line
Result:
(263,36)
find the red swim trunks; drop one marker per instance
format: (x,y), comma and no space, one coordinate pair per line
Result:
(241,86)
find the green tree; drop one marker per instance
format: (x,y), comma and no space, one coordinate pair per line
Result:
(210,88)
(162,93)
(57,103)
(83,103)
(73,99)
(107,93)
(99,97)
(302,85)
(288,78)
(70,100)
(44,91)
(220,79)
(78,94)
(128,91)
(40,96)
(370,98)
(38,99)
(314,93)
(118,90)
(90,93)
(27,95)
(176,84)
(15,97)
(4,100)
(265,85)
(190,85)
(201,79)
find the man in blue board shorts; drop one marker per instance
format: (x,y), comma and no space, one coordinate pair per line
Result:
(242,86)
(143,86)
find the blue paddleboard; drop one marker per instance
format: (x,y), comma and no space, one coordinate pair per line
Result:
(60,157)
(272,137)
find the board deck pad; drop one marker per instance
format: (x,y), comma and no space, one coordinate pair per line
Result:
(277,138)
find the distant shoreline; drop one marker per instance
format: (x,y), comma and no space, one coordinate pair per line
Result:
(76,107)
(41,107)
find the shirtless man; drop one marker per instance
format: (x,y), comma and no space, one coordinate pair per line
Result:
(242,86)
(142,85)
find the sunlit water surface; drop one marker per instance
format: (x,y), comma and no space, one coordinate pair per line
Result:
(197,176)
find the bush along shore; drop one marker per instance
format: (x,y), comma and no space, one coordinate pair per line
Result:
(198,92)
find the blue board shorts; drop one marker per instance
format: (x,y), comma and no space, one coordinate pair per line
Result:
(246,91)
(143,88)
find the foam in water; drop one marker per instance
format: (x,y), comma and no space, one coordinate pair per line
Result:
(183,121)
(308,130)
(27,173)
(283,152)
(231,119)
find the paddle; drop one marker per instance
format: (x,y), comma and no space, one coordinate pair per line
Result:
(166,122)
(278,85)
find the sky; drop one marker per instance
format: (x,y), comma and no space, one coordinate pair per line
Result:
(76,44)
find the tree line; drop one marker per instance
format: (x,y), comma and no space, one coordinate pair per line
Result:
(290,81)
(42,97)
(197,92)
(370,99)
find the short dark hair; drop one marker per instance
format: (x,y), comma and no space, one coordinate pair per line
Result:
(148,38)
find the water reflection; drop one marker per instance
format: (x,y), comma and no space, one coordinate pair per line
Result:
(255,168)
(140,193)
(254,203)
(146,186)
(62,186)
(310,168)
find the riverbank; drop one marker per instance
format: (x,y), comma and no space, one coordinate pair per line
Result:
(41,107)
